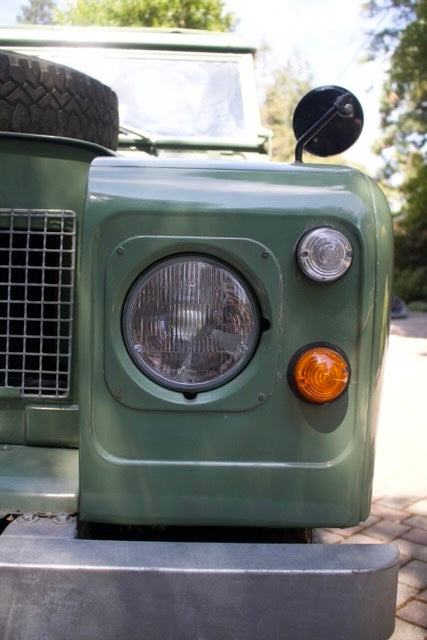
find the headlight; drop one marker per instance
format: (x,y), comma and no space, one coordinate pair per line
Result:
(190,323)
(324,254)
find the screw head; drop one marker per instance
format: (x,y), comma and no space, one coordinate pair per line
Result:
(348,109)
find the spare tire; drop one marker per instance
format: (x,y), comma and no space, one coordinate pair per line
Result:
(38,96)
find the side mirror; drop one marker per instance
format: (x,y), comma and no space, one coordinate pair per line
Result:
(327,121)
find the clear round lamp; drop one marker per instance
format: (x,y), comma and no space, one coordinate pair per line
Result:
(324,254)
(191,323)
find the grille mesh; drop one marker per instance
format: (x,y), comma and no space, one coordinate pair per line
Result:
(37,270)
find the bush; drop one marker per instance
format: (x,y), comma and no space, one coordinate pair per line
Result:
(411,283)
(418,305)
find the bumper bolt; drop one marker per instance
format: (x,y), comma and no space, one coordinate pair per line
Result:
(27,518)
(62,518)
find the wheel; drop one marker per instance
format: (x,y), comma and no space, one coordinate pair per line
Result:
(38,96)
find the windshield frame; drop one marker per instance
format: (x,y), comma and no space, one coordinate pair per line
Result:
(252,138)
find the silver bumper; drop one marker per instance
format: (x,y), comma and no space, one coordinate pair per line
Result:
(63,588)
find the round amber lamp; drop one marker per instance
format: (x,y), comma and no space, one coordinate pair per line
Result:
(320,374)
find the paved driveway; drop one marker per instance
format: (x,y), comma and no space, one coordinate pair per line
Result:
(401,463)
(399,508)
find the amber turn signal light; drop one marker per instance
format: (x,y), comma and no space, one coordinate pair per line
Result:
(319,373)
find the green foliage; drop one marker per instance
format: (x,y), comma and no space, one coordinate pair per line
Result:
(404,98)
(410,279)
(418,305)
(403,143)
(189,14)
(288,85)
(37,12)
(411,284)
(290,82)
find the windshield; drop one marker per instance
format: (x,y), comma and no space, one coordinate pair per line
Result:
(174,94)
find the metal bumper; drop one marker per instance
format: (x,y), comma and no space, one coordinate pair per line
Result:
(56,586)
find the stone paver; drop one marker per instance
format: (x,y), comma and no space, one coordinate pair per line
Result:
(416,535)
(405,631)
(399,501)
(323,536)
(404,594)
(415,612)
(417,521)
(386,530)
(360,538)
(412,549)
(388,513)
(399,507)
(420,507)
(415,574)
(403,559)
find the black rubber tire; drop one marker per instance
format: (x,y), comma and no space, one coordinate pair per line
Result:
(38,96)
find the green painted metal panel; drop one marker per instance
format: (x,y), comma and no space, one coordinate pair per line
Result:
(42,173)
(38,479)
(124,38)
(55,426)
(249,452)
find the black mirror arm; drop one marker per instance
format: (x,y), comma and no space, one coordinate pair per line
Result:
(342,106)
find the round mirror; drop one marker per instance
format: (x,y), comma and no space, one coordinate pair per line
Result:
(340,131)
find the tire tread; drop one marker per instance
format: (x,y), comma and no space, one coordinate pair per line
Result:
(38,96)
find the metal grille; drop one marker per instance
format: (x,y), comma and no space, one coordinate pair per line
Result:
(37,268)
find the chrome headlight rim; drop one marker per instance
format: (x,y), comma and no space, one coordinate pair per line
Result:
(134,292)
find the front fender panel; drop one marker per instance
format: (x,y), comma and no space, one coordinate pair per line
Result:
(250,452)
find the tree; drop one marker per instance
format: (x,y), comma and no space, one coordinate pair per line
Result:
(290,82)
(404,134)
(190,14)
(37,12)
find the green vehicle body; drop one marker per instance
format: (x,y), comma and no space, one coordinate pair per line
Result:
(249,452)
(120,448)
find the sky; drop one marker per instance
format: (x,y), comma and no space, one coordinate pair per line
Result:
(331,35)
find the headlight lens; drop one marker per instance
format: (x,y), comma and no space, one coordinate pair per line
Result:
(191,323)
(324,254)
